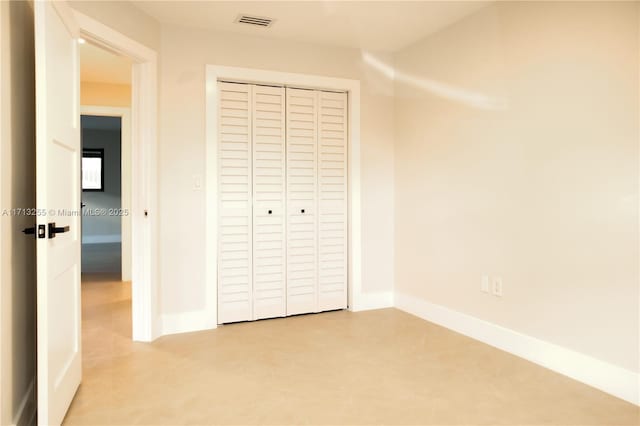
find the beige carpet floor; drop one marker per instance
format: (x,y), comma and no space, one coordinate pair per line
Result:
(335,368)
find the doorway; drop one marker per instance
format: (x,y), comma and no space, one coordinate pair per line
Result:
(105,95)
(58,32)
(141,120)
(105,211)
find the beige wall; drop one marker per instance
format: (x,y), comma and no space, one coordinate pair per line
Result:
(17,251)
(105,94)
(517,155)
(183,57)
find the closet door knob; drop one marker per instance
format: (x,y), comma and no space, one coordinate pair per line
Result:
(302,211)
(270,211)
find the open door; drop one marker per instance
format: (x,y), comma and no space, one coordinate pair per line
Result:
(58,155)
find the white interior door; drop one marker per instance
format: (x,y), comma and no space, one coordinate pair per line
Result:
(302,144)
(235,234)
(58,155)
(269,202)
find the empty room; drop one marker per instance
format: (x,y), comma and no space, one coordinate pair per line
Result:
(320,212)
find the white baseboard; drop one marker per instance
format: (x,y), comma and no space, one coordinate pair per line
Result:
(101,239)
(378,300)
(614,380)
(201,320)
(27,410)
(187,322)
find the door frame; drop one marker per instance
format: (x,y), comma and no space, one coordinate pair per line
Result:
(4,417)
(125,176)
(144,212)
(216,73)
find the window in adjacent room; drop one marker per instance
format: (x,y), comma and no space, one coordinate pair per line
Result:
(93,170)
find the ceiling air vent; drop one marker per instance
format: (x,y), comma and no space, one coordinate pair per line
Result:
(254,20)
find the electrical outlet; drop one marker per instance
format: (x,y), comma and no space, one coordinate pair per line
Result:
(496,286)
(484,284)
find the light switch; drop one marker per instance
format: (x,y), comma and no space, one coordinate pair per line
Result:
(497,286)
(197,182)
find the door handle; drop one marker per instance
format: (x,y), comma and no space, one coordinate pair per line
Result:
(53,230)
(32,231)
(82,205)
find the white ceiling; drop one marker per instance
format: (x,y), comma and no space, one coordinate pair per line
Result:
(98,65)
(371,25)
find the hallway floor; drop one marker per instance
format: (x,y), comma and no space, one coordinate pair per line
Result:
(102,258)
(375,367)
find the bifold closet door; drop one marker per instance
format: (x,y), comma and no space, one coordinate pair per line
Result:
(269,202)
(235,276)
(282,237)
(302,142)
(332,201)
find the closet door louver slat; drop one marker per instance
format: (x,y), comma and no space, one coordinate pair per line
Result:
(332,201)
(235,287)
(269,205)
(302,142)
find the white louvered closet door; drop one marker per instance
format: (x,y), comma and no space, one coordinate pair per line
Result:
(332,201)
(269,202)
(235,289)
(302,142)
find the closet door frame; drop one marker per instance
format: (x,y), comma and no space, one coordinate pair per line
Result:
(216,74)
